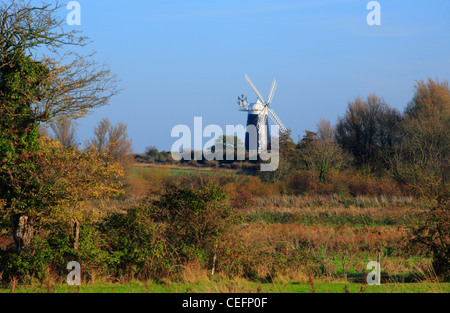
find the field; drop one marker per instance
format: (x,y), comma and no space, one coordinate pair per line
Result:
(349,200)
(309,243)
(237,286)
(337,235)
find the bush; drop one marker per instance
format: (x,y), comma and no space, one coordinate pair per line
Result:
(254,186)
(303,181)
(195,219)
(345,183)
(434,234)
(136,244)
(358,185)
(243,200)
(49,253)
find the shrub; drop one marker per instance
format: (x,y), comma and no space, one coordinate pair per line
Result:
(243,200)
(303,181)
(253,185)
(50,252)
(357,184)
(136,244)
(195,219)
(434,234)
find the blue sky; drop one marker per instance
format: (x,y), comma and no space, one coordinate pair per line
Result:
(177,59)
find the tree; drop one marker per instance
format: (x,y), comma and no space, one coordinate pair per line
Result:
(319,152)
(64,131)
(229,144)
(111,139)
(427,131)
(195,218)
(119,144)
(432,234)
(59,182)
(423,162)
(287,159)
(369,130)
(70,84)
(100,139)
(151,151)
(36,88)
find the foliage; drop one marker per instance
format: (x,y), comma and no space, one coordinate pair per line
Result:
(195,219)
(37,90)
(433,233)
(287,159)
(63,179)
(425,151)
(243,200)
(369,130)
(137,245)
(71,84)
(228,145)
(320,153)
(112,140)
(64,132)
(47,185)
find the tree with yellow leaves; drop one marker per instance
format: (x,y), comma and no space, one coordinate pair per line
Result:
(42,81)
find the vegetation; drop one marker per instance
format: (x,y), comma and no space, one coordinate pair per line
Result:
(373,187)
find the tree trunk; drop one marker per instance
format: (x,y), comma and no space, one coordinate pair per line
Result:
(76,234)
(22,231)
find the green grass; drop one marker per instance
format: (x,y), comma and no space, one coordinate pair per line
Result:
(329,218)
(175,171)
(238,286)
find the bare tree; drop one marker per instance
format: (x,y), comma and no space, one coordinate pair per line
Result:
(111,139)
(427,132)
(43,131)
(65,132)
(325,131)
(70,84)
(369,130)
(119,143)
(100,139)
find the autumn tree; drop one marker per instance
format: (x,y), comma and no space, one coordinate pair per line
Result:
(426,150)
(319,152)
(196,218)
(70,84)
(423,163)
(111,139)
(41,81)
(369,130)
(60,182)
(65,132)
(287,158)
(120,145)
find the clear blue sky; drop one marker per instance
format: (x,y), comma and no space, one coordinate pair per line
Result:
(177,59)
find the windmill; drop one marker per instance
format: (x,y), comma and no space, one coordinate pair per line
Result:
(257,116)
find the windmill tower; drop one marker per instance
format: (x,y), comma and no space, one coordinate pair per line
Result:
(257,116)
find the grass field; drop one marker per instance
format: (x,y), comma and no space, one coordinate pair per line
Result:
(237,286)
(174,170)
(327,239)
